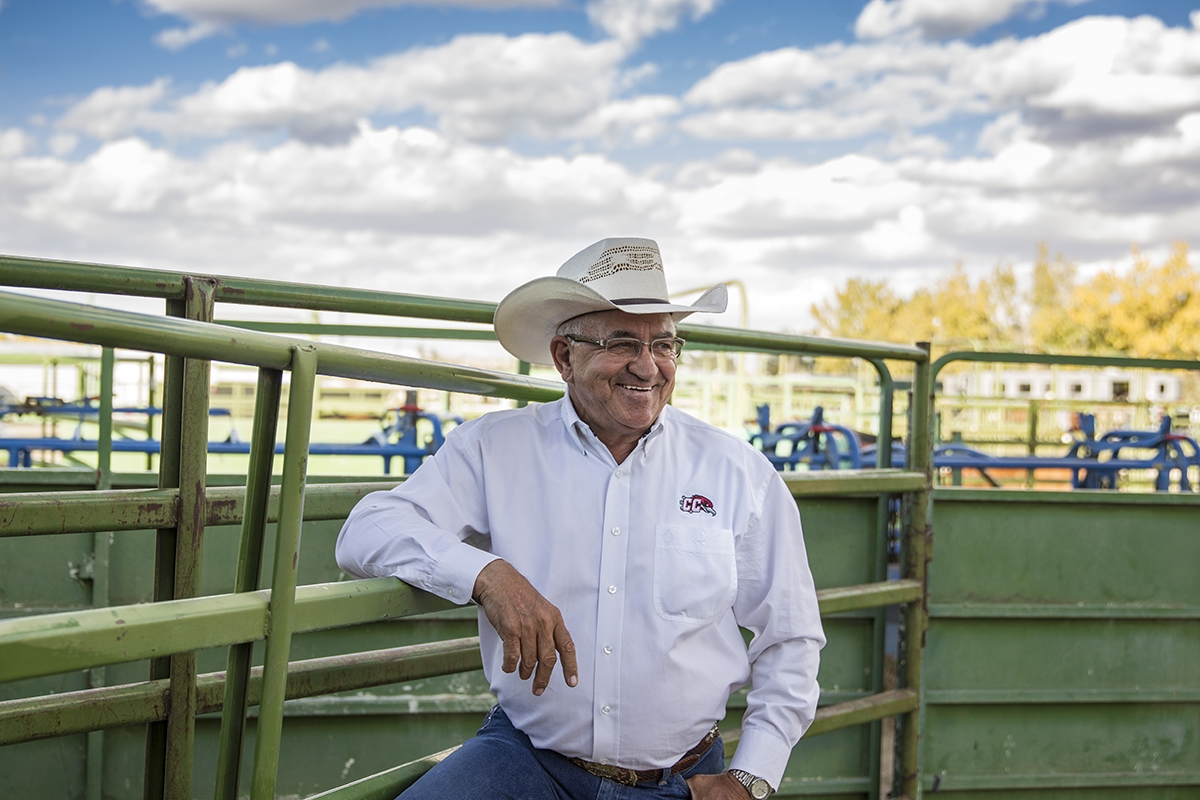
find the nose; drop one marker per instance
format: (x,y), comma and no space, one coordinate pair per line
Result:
(644,366)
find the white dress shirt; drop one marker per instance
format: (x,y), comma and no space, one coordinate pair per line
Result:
(654,563)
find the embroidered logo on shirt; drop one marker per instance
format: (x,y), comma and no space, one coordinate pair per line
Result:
(697,503)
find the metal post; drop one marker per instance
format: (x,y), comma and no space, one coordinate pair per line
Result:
(100,558)
(917,554)
(283,579)
(193,471)
(1033,440)
(883,460)
(164,547)
(151,363)
(883,442)
(956,474)
(254,525)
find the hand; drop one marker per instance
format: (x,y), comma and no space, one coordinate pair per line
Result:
(531,628)
(717,787)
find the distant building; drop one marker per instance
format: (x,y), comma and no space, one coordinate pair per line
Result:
(1109,384)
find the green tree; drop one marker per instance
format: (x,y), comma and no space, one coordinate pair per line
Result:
(864,309)
(955,312)
(1149,311)
(1050,328)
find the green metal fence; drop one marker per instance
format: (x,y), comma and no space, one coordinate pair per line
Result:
(1063,649)
(186,622)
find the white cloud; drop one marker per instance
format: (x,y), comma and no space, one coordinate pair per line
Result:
(480,88)
(898,238)
(179,38)
(938,19)
(13,142)
(412,209)
(631,21)
(295,12)
(1091,78)
(834,91)
(113,112)
(62,144)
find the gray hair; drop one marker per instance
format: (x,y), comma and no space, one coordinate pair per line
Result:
(576,326)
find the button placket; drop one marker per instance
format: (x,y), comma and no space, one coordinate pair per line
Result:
(610,613)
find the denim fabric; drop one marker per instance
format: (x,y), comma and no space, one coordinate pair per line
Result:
(500,763)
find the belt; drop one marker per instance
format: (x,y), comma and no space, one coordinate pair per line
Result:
(632,777)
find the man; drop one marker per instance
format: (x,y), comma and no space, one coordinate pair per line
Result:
(616,543)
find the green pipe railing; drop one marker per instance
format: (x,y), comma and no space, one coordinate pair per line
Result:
(992,357)
(172,629)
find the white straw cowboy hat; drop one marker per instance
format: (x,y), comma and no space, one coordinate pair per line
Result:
(624,274)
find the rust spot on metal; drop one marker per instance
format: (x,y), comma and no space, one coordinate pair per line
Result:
(82,326)
(295,556)
(231,289)
(119,622)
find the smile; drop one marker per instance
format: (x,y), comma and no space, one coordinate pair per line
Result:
(635,388)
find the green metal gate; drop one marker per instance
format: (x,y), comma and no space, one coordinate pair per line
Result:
(107,695)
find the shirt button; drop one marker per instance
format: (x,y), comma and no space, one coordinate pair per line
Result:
(612,590)
(605,710)
(451,592)
(616,531)
(617,473)
(608,649)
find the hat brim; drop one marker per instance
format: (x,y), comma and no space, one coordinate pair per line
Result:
(525,320)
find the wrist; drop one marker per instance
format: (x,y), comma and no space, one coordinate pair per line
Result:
(756,788)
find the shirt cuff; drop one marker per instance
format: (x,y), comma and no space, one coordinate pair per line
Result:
(762,753)
(454,576)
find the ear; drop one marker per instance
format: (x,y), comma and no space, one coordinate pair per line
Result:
(560,351)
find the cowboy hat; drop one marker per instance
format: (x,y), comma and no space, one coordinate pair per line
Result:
(621,273)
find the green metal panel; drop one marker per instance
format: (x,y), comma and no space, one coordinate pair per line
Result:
(1035,550)
(1101,746)
(1063,648)
(839,534)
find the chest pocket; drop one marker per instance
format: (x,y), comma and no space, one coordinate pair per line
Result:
(695,573)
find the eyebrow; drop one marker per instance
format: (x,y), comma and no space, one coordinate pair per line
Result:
(621,334)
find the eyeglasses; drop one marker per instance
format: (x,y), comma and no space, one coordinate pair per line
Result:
(626,348)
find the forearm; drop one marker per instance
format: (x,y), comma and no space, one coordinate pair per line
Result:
(386,535)
(780,706)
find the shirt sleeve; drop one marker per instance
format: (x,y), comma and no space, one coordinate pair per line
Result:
(419,531)
(777,602)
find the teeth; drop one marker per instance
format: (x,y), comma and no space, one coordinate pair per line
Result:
(636,388)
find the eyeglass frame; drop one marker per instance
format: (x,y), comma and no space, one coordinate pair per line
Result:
(675,340)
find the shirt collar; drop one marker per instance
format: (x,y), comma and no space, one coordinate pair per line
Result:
(582,433)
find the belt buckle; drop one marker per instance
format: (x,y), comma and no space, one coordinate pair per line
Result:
(628,777)
(621,775)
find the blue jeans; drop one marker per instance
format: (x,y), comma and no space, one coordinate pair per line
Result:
(501,763)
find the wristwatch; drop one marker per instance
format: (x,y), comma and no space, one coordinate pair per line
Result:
(758,787)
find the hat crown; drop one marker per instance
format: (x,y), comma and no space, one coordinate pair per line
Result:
(620,269)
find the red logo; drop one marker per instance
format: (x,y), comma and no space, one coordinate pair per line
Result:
(697,503)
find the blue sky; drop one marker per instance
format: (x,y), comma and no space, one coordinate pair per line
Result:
(459,148)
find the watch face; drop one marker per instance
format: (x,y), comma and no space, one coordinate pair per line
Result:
(760,789)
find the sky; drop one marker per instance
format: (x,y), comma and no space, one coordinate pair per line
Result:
(462,147)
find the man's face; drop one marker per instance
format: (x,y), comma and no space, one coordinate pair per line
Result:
(618,398)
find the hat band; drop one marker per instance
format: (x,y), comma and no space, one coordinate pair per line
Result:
(637,301)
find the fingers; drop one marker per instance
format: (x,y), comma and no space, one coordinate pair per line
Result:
(512,652)
(529,654)
(531,628)
(547,658)
(566,648)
